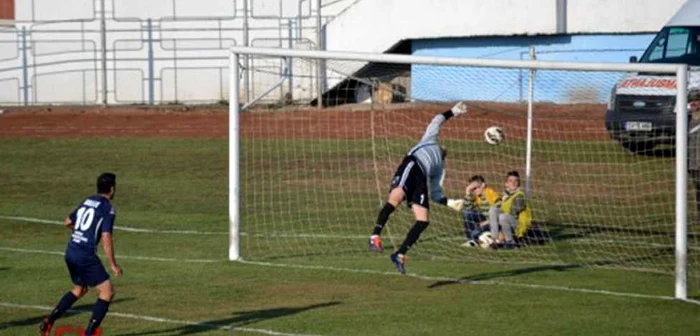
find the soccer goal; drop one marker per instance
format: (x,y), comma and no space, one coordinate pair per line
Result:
(316,136)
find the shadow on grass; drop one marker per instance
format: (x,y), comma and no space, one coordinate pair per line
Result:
(559,268)
(81,309)
(502,274)
(5,268)
(240,319)
(558,231)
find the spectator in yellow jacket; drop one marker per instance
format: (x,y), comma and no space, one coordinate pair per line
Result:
(479,201)
(512,217)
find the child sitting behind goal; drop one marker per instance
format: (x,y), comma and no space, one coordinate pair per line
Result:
(513,217)
(479,202)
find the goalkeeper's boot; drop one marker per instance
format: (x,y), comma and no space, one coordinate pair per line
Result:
(45,327)
(399,261)
(375,243)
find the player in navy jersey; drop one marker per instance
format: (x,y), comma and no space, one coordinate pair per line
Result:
(91,221)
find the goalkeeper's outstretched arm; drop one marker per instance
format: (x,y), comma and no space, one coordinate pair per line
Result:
(433,129)
(437,194)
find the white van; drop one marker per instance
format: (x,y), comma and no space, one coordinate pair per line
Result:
(640,112)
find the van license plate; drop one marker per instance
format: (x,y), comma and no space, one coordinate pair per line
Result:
(638,126)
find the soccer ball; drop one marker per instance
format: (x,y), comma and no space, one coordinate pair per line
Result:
(485,240)
(494,135)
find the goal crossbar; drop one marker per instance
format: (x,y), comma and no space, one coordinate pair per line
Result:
(474,62)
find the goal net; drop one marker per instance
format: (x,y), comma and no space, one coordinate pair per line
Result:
(312,180)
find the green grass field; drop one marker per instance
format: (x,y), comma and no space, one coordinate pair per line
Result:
(305,218)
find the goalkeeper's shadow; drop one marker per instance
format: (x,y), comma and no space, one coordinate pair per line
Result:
(501,274)
(544,268)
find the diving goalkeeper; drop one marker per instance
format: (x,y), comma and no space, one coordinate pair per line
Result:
(421,170)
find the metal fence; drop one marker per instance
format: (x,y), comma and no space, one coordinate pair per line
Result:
(146,52)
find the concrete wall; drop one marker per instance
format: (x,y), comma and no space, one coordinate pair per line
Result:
(510,85)
(374,25)
(619,16)
(367,25)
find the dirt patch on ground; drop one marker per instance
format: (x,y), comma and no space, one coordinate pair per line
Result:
(551,121)
(135,122)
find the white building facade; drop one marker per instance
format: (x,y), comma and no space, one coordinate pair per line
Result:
(167,51)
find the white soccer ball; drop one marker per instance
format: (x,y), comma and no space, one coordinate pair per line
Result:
(494,135)
(485,240)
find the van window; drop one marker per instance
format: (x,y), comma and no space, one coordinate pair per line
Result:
(658,47)
(675,45)
(677,42)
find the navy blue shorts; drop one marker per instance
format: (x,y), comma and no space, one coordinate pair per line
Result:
(86,271)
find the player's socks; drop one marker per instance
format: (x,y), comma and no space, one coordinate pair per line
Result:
(383,218)
(413,236)
(98,314)
(64,304)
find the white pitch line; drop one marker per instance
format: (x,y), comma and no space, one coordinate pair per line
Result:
(478,282)
(413,275)
(159,320)
(195,232)
(117,227)
(121,256)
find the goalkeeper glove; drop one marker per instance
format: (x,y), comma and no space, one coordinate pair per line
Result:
(459,108)
(455,204)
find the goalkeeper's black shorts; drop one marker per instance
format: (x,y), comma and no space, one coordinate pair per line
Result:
(410,177)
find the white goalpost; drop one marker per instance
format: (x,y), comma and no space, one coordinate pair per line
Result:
(233,159)
(305,183)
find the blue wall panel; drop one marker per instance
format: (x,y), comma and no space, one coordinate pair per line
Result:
(510,85)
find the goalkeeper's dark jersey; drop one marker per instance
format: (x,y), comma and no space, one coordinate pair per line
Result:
(429,156)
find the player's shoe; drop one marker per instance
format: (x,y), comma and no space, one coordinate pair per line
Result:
(375,243)
(399,261)
(45,327)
